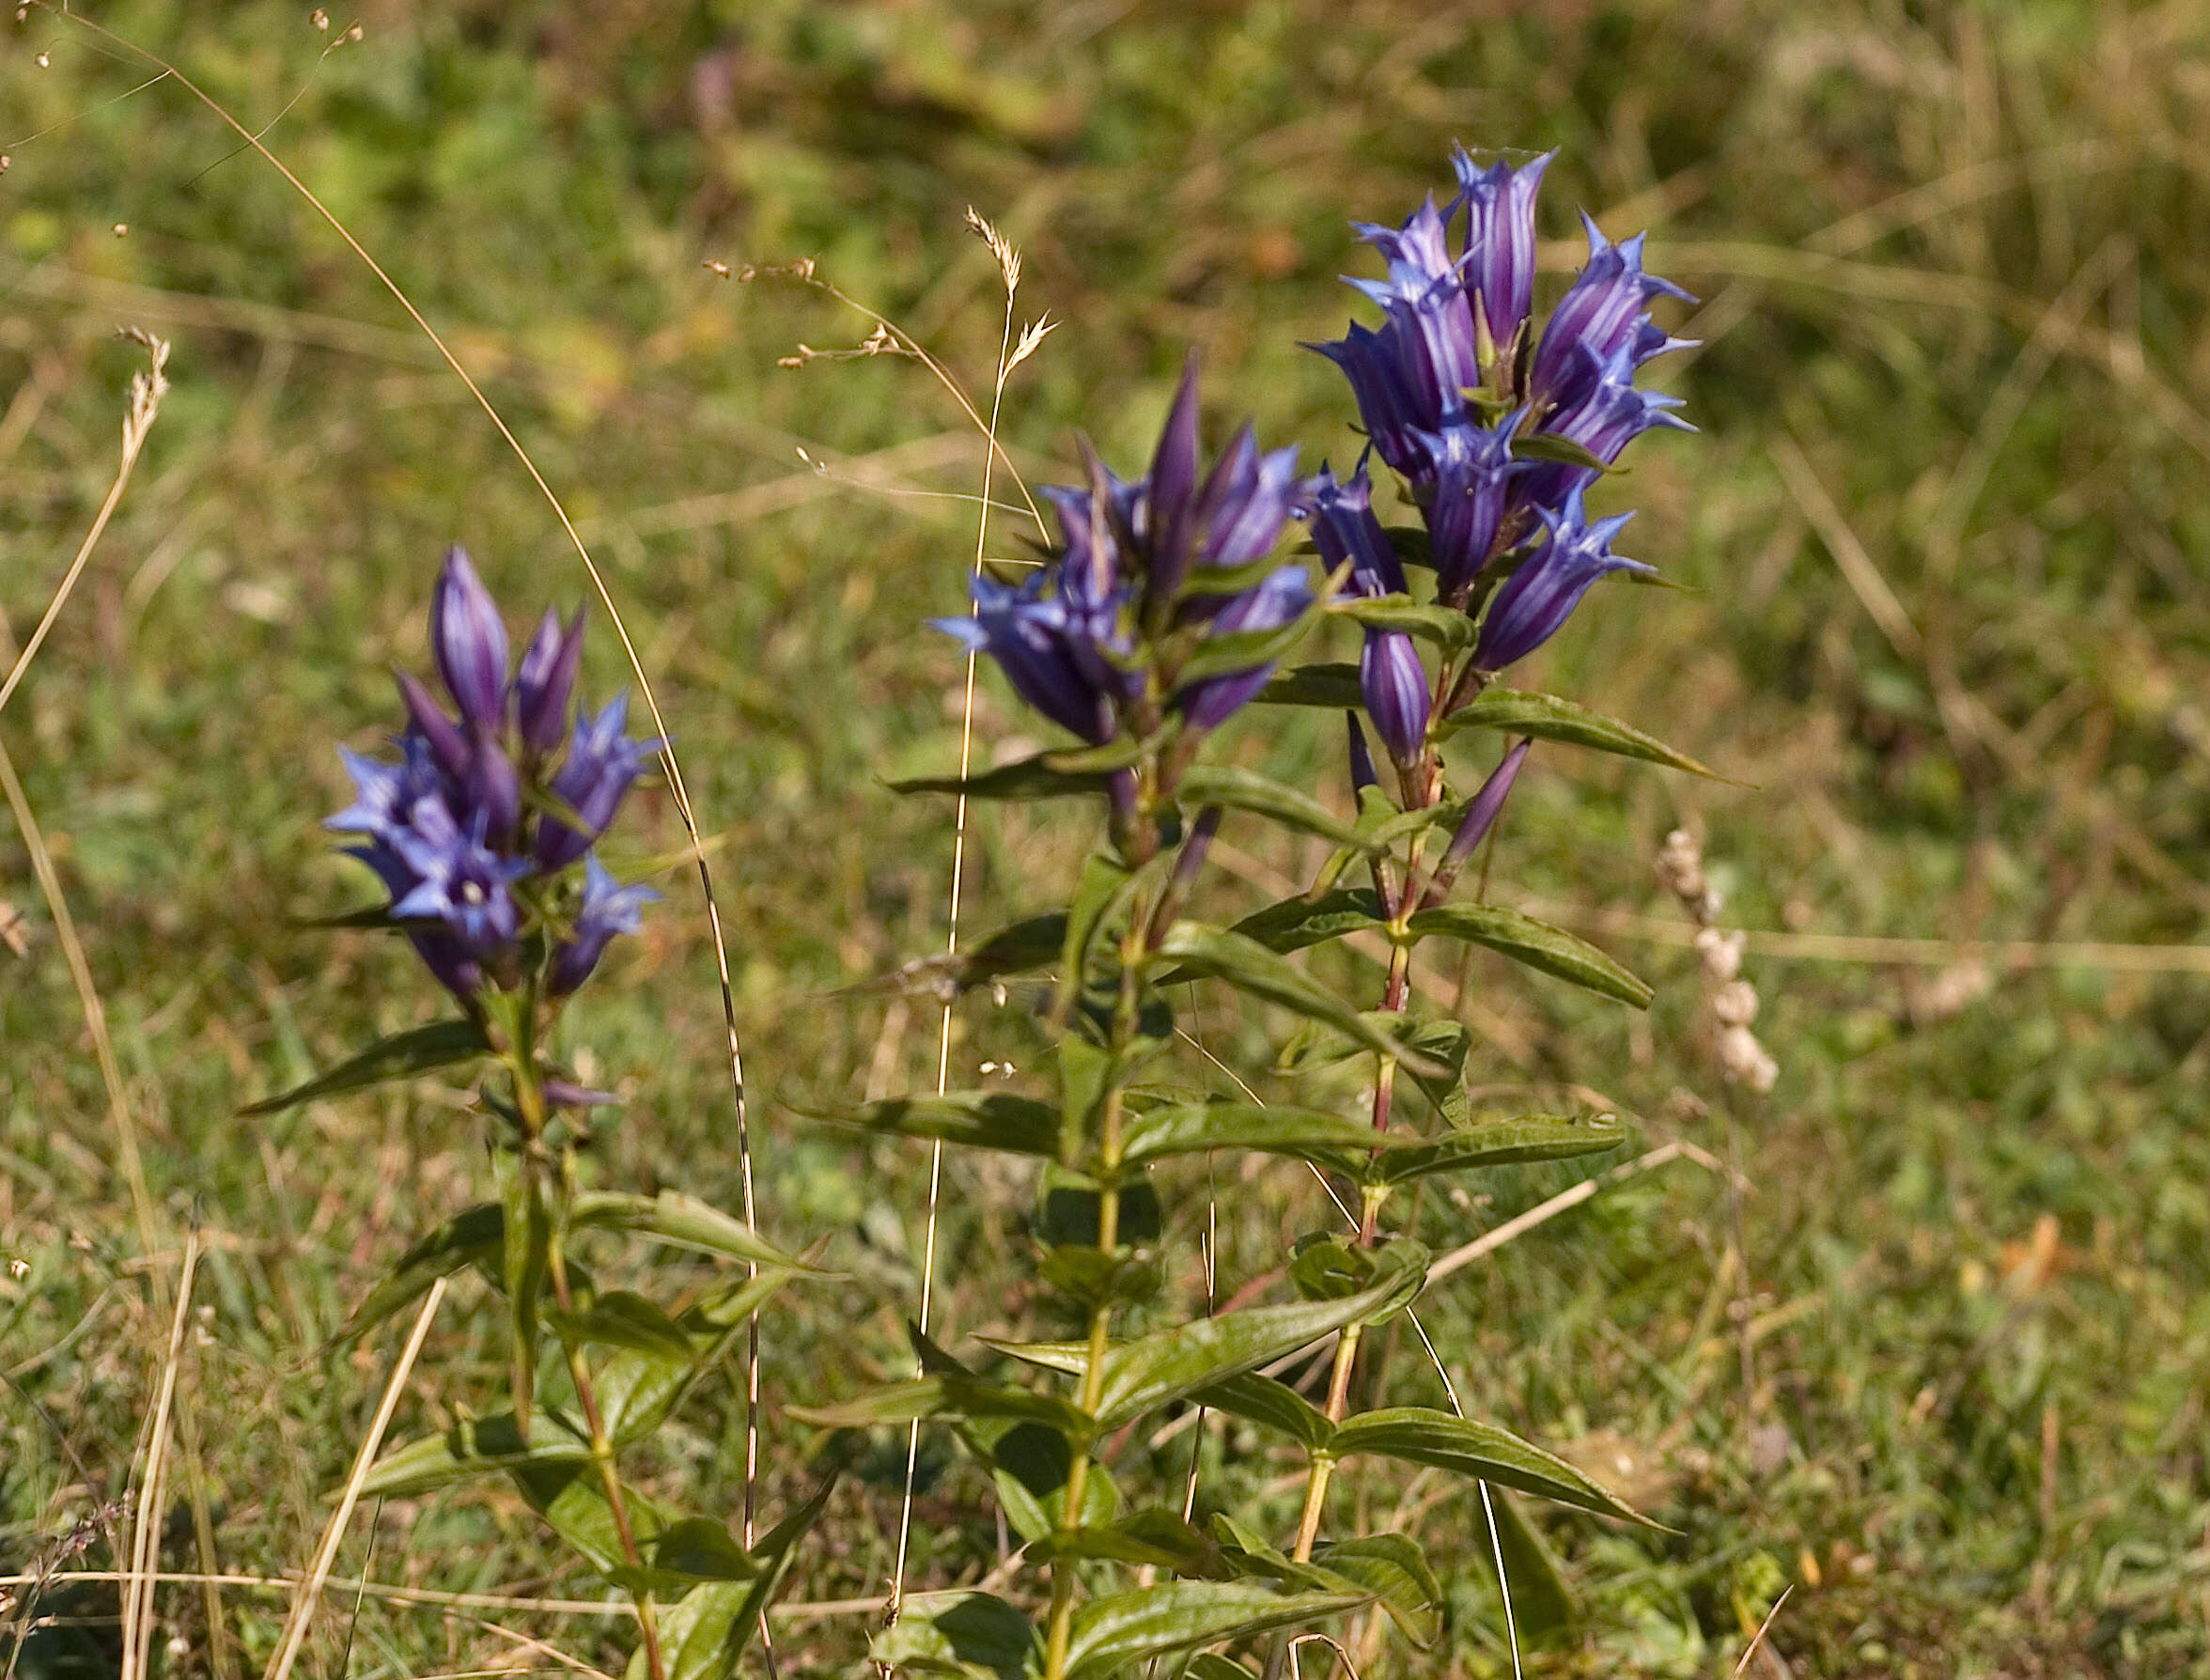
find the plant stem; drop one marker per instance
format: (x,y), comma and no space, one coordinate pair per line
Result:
(1142,932)
(530,1098)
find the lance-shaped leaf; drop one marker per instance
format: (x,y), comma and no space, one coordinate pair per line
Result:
(1542,1602)
(972,1634)
(1502,1143)
(525,1263)
(1276,1405)
(473,1447)
(1212,1665)
(1047,776)
(950,1395)
(637,1391)
(1231,652)
(1395,1569)
(1240,789)
(1115,1633)
(1302,1134)
(1030,1465)
(403,1055)
(1102,896)
(1294,924)
(468,1238)
(1251,967)
(979,1119)
(1445,627)
(1556,446)
(1017,948)
(1161,1538)
(619,1319)
(1154,1370)
(1537,945)
(572,1498)
(1420,1434)
(1329,1268)
(1519,712)
(1331,685)
(704,1634)
(681,1222)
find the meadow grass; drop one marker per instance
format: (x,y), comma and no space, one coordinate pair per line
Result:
(1949,632)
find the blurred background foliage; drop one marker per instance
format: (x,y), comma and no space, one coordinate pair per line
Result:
(1949,625)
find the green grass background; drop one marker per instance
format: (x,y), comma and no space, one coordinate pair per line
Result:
(1953,280)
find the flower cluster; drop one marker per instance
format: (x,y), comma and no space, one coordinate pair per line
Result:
(1111,633)
(477,830)
(1495,431)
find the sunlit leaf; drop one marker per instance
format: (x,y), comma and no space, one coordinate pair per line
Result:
(1395,1569)
(1276,1405)
(1331,685)
(1250,967)
(1302,1134)
(1445,627)
(970,1634)
(1114,1633)
(468,1238)
(403,1055)
(1419,1435)
(681,1222)
(473,1447)
(1537,945)
(1499,1143)
(1519,712)
(1240,789)
(976,1119)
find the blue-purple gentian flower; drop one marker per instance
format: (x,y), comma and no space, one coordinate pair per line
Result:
(1392,680)
(451,831)
(1537,599)
(1457,383)
(1078,638)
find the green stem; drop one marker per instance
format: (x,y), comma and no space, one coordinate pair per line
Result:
(530,1099)
(1135,946)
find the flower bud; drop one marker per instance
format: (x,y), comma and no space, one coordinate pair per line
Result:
(469,642)
(546,682)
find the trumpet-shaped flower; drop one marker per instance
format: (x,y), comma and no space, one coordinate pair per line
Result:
(1537,599)
(1500,240)
(608,909)
(1392,680)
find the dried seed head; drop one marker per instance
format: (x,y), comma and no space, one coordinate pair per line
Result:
(1721,954)
(1001,248)
(1735,1005)
(122,230)
(1743,1061)
(1679,867)
(320,20)
(5,161)
(44,59)
(353,35)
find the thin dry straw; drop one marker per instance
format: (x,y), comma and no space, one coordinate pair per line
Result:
(1010,269)
(152,1507)
(668,760)
(302,1607)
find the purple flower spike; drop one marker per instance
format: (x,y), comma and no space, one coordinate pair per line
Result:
(1536,601)
(608,909)
(1171,513)
(469,642)
(458,880)
(1601,314)
(442,955)
(1283,595)
(1608,415)
(1481,816)
(1473,471)
(546,682)
(1387,407)
(601,763)
(1033,636)
(1246,500)
(1500,240)
(491,791)
(1361,757)
(446,744)
(1394,684)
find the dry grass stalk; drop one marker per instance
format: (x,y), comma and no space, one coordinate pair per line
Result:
(145,1529)
(302,1608)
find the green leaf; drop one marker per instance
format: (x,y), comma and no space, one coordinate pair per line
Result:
(1335,686)
(1539,945)
(682,1221)
(1542,1602)
(1030,1464)
(1240,789)
(525,1263)
(473,1447)
(638,1390)
(466,1239)
(1250,967)
(694,1549)
(1302,1134)
(1518,711)
(1093,1277)
(946,1397)
(1212,1665)
(1102,893)
(1045,776)
(1419,1435)
(1071,1210)
(976,1119)
(1276,1405)
(1294,924)
(1230,652)
(572,1498)
(705,1633)
(1112,1634)
(1015,949)
(621,1320)
(1446,627)
(1500,1144)
(1158,1537)
(1555,446)
(1395,1569)
(972,1635)
(1329,1268)
(1164,1366)
(1208,582)
(403,1055)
